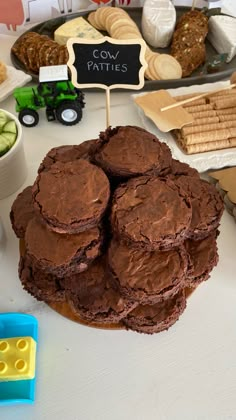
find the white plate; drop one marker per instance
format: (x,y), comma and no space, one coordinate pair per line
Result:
(15,78)
(201,161)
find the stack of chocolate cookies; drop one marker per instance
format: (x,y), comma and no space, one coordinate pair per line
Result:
(118,229)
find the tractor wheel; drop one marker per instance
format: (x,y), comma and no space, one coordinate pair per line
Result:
(69,113)
(28,117)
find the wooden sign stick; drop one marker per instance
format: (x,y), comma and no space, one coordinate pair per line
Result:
(108,106)
(193,4)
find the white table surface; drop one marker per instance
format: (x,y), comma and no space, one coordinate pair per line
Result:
(188,372)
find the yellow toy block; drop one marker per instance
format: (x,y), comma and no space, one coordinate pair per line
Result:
(17,358)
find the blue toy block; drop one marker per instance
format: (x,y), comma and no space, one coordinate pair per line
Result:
(18,325)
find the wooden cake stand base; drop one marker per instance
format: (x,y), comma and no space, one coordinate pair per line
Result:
(64,309)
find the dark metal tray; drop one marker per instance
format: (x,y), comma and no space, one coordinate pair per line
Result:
(198,77)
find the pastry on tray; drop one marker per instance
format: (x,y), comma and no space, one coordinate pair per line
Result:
(153,236)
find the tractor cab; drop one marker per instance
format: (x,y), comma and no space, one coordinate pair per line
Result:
(55,93)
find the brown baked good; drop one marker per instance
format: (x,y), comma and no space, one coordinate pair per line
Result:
(91,295)
(22,211)
(151,213)
(68,153)
(82,187)
(35,50)
(151,319)
(41,285)
(203,257)
(147,277)
(180,168)
(207,206)
(190,58)
(188,43)
(129,151)
(61,254)
(193,17)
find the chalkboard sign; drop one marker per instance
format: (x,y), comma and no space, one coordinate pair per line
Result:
(107,63)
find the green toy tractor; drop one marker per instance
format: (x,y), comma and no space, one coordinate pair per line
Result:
(63,102)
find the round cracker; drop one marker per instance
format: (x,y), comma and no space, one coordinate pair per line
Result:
(100,17)
(91,19)
(128,35)
(151,66)
(148,74)
(123,30)
(167,67)
(119,23)
(112,18)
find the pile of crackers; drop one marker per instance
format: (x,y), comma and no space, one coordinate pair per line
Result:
(214,125)
(35,50)
(119,25)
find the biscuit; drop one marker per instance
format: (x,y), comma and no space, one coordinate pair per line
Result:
(207,206)
(130,151)
(203,257)
(82,187)
(151,213)
(68,153)
(147,277)
(151,319)
(41,285)
(61,254)
(91,295)
(22,211)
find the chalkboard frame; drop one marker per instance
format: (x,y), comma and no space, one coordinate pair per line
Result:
(141,71)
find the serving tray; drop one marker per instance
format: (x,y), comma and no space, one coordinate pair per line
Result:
(203,162)
(197,77)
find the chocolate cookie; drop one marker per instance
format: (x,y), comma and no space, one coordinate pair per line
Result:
(151,213)
(147,277)
(81,187)
(22,211)
(91,296)
(65,154)
(61,254)
(41,285)
(203,258)
(180,168)
(151,319)
(207,205)
(130,151)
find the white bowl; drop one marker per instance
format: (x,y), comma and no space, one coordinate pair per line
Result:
(13,168)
